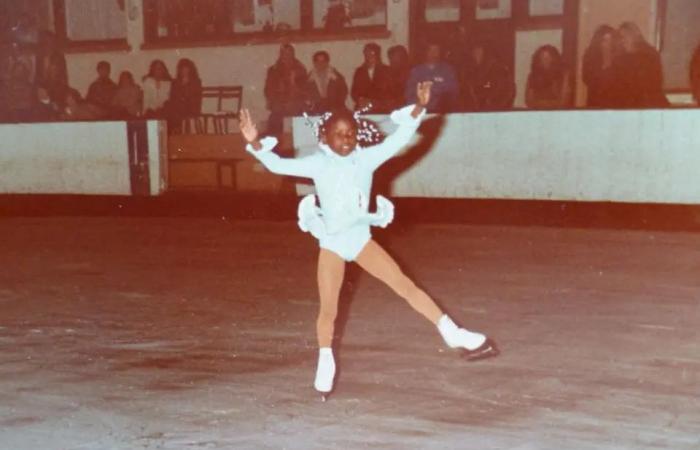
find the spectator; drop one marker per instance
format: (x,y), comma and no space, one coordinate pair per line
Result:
(102,90)
(76,109)
(695,75)
(487,84)
(399,70)
(326,88)
(371,81)
(55,84)
(19,94)
(156,89)
(51,68)
(548,85)
(638,71)
(185,95)
(45,110)
(128,99)
(599,68)
(456,50)
(284,89)
(445,90)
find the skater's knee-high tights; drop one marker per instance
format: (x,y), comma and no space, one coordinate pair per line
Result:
(378,263)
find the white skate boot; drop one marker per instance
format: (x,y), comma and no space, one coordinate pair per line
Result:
(475,345)
(325,372)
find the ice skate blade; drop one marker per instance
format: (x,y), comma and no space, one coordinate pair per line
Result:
(487,350)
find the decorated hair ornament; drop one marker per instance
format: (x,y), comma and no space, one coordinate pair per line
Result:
(368,133)
(361,111)
(318,125)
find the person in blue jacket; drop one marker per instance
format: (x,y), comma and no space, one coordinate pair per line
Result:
(445,93)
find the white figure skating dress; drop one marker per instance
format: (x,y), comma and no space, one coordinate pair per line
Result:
(342,222)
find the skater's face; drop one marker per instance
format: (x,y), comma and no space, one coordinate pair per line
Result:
(341,136)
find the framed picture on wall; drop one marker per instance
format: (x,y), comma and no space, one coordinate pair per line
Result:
(493,9)
(94,20)
(265,15)
(546,7)
(488,4)
(338,14)
(442,10)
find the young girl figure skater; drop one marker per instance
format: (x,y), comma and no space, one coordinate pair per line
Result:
(342,172)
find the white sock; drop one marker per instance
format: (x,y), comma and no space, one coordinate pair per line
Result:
(456,337)
(325,371)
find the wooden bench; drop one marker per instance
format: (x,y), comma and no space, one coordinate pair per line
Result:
(218,162)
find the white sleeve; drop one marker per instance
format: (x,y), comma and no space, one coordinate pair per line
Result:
(377,155)
(296,167)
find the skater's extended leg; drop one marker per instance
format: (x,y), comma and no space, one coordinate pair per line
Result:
(331,271)
(378,263)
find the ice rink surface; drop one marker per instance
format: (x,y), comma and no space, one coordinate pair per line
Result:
(146,333)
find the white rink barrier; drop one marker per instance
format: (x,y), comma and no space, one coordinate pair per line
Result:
(642,156)
(90,158)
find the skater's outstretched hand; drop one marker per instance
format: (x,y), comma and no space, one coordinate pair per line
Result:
(249,129)
(423,91)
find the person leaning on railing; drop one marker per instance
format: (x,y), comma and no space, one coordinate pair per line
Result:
(326,89)
(285,85)
(599,69)
(185,95)
(549,83)
(638,71)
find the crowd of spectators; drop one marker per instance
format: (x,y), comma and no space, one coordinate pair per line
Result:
(620,70)
(53,99)
(46,94)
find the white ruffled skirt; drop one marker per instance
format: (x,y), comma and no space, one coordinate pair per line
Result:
(349,241)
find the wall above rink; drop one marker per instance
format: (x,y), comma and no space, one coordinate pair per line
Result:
(89,158)
(644,156)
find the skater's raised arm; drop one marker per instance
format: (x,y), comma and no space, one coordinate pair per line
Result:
(408,119)
(249,129)
(423,94)
(263,151)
